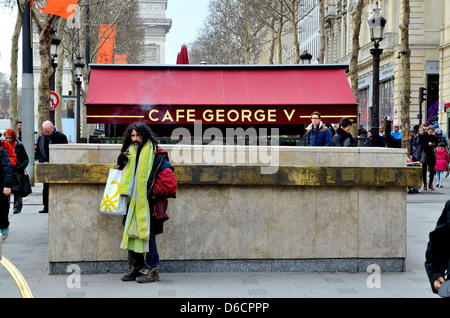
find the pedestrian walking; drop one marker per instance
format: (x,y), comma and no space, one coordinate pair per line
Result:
(49,136)
(442,161)
(427,143)
(147,181)
(19,168)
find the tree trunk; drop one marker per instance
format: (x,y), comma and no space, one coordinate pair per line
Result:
(406,75)
(44,90)
(355,49)
(14,70)
(295,27)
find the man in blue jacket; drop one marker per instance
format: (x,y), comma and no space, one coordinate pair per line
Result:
(317,133)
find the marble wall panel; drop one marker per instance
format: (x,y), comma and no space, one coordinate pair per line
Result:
(172,242)
(336,222)
(291,222)
(249,211)
(206,217)
(382,222)
(73,212)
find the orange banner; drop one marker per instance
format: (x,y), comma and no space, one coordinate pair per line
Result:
(106,44)
(62,8)
(120,59)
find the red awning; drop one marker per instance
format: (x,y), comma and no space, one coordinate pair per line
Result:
(126,93)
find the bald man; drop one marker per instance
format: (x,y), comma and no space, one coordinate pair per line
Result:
(49,136)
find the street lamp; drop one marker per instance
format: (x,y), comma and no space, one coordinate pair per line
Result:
(79,66)
(54,48)
(376,25)
(53,54)
(305,57)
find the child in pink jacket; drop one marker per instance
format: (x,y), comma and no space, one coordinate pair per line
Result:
(442,160)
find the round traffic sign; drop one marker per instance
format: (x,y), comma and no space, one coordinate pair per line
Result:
(54,100)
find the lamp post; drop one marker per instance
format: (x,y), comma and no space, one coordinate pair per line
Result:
(305,57)
(79,66)
(376,25)
(53,54)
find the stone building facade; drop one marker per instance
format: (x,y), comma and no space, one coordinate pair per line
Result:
(153,13)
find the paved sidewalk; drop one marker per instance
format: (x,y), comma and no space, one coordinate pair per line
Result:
(26,247)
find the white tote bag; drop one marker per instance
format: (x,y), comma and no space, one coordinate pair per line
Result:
(112,201)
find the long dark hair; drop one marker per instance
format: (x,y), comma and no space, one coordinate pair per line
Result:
(142,130)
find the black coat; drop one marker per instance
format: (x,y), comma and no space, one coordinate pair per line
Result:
(42,150)
(343,139)
(424,141)
(6,170)
(22,158)
(437,254)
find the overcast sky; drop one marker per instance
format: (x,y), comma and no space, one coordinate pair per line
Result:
(187,17)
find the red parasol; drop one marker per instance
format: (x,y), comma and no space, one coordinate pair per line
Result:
(183,55)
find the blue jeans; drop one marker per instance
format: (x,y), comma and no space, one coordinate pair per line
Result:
(152,258)
(440,175)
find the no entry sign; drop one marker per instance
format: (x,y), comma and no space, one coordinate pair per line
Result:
(54,100)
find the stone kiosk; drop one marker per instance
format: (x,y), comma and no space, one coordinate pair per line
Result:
(322,209)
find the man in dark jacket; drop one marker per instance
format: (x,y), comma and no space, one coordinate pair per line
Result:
(317,133)
(147,177)
(437,254)
(49,136)
(343,138)
(427,143)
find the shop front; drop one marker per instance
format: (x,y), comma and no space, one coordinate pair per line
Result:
(222,96)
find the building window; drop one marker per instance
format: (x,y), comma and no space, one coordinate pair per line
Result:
(387,99)
(363,108)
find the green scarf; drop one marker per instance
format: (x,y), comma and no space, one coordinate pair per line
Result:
(134,185)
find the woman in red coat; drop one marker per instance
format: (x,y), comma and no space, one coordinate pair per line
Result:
(442,160)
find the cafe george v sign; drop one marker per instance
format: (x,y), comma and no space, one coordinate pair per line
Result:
(218,94)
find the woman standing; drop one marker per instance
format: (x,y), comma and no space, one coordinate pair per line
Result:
(22,163)
(427,142)
(442,161)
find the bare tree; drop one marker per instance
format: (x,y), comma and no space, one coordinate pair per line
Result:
(45,24)
(129,37)
(13,96)
(356,17)
(234,32)
(406,76)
